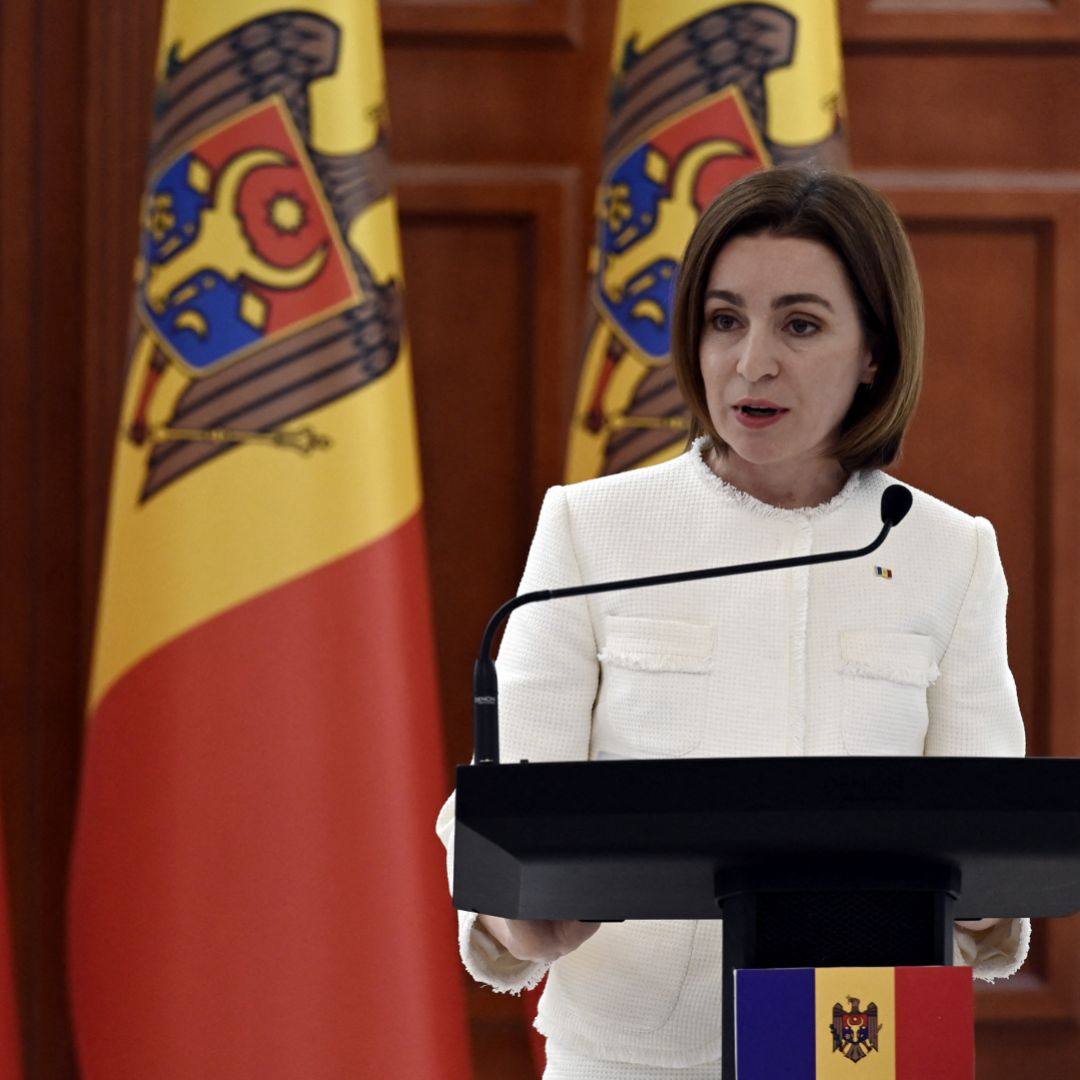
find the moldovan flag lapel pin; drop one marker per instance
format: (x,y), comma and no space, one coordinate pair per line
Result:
(856,1023)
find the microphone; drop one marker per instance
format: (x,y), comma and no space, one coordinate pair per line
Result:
(895,503)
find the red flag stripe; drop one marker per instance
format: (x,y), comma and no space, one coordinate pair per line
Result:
(257,888)
(935,1014)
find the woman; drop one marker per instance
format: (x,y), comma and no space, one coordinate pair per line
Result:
(797,340)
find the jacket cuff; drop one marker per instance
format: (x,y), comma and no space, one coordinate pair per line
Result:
(996,953)
(488,962)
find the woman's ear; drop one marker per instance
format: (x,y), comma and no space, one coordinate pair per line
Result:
(869,366)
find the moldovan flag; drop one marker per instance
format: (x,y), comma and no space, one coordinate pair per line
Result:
(913,1023)
(256,891)
(702,92)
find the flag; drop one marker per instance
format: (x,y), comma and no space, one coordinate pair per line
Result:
(10,1040)
(894,1023)
(256,890)
(701,93)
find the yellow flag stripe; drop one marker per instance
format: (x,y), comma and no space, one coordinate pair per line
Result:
(251,520)
(869,986)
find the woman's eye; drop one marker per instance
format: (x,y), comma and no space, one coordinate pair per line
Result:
(803,327)
(723,321)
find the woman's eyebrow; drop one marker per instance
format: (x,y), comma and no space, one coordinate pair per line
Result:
(725,294)
(787,300)
(800,298)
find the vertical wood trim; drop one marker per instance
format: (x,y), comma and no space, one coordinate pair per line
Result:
(121,48)
(17,107)
(42,215)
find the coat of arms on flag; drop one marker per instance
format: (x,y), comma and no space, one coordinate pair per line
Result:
(855,1029)
(253,303)
(703,92)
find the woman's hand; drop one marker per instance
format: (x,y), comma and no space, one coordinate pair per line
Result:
(978,925)
(538,939)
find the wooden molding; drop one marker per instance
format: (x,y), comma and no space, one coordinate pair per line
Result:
(960,22)
(536,22)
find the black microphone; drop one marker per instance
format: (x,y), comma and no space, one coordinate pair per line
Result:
(895,503)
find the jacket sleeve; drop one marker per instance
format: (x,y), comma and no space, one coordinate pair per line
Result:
(972,704)
(548,676)
(974,712)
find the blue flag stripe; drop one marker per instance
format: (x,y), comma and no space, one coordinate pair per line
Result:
(774,1024)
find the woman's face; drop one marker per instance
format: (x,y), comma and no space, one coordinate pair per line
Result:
(782,350)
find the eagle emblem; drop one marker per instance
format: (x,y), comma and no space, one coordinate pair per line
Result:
(252,298)
(689,114)
(855,1029)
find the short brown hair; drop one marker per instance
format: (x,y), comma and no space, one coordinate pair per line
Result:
(862,229)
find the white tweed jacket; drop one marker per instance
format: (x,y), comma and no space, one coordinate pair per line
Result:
(836,659)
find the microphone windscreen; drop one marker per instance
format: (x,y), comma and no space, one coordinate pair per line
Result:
(895,503)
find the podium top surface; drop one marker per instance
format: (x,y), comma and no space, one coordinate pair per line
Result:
(555,840)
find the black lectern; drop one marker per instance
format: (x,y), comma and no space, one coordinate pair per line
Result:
(811,862)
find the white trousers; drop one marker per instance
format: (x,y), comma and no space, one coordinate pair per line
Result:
(566,1065)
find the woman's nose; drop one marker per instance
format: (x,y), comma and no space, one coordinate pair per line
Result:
(757,359)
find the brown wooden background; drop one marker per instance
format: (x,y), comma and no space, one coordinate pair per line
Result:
(966,113)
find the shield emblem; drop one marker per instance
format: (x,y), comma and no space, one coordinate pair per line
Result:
(651,200)
(238,245)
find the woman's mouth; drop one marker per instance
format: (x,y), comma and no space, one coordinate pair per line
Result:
(758,414)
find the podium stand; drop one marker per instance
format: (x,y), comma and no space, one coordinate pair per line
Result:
(811,862)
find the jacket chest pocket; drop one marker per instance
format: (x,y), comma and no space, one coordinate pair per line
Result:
(886,676)
(654,683)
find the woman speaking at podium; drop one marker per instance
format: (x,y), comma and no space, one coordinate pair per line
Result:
(797,339)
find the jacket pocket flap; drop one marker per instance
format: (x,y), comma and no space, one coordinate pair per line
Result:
(657,644)
(900,658)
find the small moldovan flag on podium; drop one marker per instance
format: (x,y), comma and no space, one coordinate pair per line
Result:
(913,1023)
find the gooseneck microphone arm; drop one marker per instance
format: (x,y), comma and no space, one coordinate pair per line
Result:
(895,503)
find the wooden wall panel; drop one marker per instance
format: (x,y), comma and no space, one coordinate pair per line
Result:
(17,580)
(511,107)
(1011,109)
(41,417)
